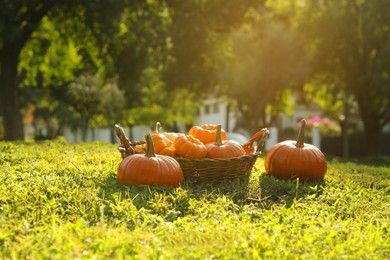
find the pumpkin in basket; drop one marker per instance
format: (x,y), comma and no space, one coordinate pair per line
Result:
(162,144)
(206,133)
(170,135)
(224,149)
(149,169)
(189,146)
(290,159)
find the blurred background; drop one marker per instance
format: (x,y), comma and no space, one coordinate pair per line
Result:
(76,68)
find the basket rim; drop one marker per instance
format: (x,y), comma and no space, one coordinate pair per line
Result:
(257,154)
(126,146)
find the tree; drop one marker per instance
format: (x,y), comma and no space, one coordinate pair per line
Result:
(84,97)
(266,59)
(196,27)
(113,104)
(18,22)
(157,105)
(20,19)
(141,43)
(351,42)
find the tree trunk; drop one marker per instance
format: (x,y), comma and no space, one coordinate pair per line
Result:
(345,127)
(372,128)
(84,129)
(373,136)
(12,118)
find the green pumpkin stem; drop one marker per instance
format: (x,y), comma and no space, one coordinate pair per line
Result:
(219,135)
(301,135)
(150,146)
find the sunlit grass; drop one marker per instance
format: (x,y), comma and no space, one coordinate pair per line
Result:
(62,201)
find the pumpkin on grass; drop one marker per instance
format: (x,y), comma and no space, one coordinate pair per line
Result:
(189,146)
(290,159)
(224,149)
(206,133)
(149,169)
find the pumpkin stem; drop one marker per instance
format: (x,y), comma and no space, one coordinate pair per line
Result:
(158,127)
(219,135)
(301,135)
(150,146)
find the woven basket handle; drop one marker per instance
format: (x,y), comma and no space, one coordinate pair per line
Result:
(125,148)
(261,140)
(260,137)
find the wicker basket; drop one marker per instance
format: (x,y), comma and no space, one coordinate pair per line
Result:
(205,169)
(216,170)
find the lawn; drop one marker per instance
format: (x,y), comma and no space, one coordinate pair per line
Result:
(62,201)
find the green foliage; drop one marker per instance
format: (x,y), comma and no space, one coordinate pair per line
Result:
(263,60)
(354,57)
(196,29)
(158,105)
(113,103)
(91,103)
(140,43)
(48,49)
(60,200)
(254,51)
(65,42)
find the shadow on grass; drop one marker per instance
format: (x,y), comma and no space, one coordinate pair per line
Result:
(267,191)
(275,191)
(376,161)
(148,196)
(170,203)
(378,167)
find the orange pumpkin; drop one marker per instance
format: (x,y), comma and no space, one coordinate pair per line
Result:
(290,159)
(162,145)
(206,133)
(140,148)
(170,135)
(149,169)
(224,149)
(189,146)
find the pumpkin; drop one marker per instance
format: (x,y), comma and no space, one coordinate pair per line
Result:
(296,159)
(162,144)
(149,169)
(189,146)
(170,135)
(140,148)
(224,149)
(206,133)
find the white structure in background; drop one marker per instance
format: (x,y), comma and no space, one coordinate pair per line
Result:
(316,138)
(213,111)
(103,134)
(216,111)
(272,139)
(95,134)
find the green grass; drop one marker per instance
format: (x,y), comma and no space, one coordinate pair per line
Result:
(61,201)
